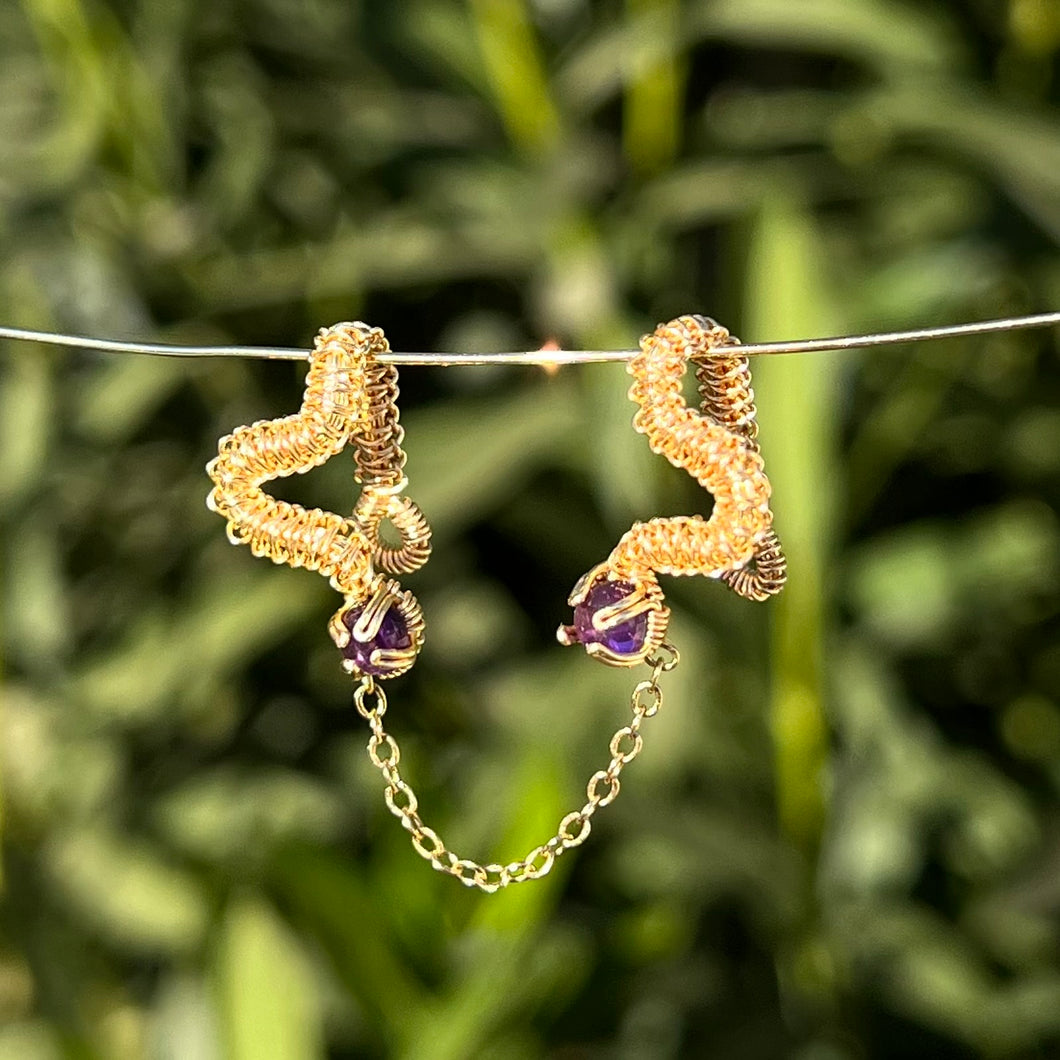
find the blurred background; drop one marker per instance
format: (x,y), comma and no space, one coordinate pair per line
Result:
(842,840)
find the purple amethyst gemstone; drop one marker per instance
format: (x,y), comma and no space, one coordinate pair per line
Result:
(393,633)
(627,638)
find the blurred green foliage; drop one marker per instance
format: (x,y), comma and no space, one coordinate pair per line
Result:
(842,839)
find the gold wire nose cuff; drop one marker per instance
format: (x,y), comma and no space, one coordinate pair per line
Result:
(726,397)
(334,406)
(350,396)
(619,615)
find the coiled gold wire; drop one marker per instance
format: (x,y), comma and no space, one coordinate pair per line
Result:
(716,446)
(350,396)
(415,549)
(725,393)
(380,462)
(336,405)
(727,398)
(378,454)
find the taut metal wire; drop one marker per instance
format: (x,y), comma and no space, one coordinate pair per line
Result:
(548,358)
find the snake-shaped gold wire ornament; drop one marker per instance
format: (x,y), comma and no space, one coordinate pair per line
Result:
(620,616)
(349,395)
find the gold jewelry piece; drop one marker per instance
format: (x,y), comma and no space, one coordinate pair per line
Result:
(620,617)
(349,395)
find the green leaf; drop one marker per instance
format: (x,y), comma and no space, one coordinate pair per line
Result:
(125,889)
(331,903)
(516,72)
(788,294)
(266,995)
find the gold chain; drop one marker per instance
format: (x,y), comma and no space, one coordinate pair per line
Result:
(602,789)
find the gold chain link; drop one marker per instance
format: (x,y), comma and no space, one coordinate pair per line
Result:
(370,700)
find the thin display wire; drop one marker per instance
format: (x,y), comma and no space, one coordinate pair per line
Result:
(546,357)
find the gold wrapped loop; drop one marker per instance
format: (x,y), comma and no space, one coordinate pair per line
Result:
(727,398)
(334,407)
(717,446)
(350,396)
(373,508)
(378,454)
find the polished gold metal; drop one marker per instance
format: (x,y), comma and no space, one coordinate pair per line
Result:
(726,397)
(385,594)
(380,461)
(644,597)
(334,407)
(711,452)
(375,506)
(602,789)
(350,397)
(717,446)
(379,457)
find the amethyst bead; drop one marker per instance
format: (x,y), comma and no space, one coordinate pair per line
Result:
(393,634)
(627,638)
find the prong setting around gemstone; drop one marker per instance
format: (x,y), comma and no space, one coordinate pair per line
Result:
(379,635)
(618,621)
